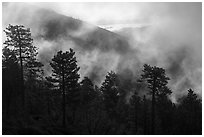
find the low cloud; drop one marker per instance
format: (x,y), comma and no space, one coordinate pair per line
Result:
(168,35)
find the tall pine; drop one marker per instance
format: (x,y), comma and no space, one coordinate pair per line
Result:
(20,42)
(157,80)
(109,89)
(65,75)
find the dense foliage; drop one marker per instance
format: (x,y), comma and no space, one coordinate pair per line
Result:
(63,104)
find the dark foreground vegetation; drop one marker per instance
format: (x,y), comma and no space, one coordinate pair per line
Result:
(62,104)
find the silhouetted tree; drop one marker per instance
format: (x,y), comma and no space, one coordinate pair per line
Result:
(20,42)
(135,104)
(156,79)
(109,89)
(165,109)
(144,115)
(88,92)
(10,82)
(190,114)
(65,75)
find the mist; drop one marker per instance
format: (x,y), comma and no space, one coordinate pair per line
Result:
(168,35)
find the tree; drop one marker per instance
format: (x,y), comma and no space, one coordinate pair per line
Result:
(157,80)
(19,41)
(165,110)
(144,115)
(65,75)
(135,103)
(10,81)
(190,114)
(88,92)
(191,99)
(109,89)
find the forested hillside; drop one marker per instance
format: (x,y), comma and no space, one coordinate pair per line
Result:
(63,102)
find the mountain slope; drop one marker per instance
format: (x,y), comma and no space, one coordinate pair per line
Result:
(55,26)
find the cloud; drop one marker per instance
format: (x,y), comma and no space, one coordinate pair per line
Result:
(165,34)
(171,38)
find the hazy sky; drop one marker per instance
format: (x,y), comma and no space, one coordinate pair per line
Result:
(130,13)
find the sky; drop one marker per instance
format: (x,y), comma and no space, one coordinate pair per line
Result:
(127,13)
(164,34)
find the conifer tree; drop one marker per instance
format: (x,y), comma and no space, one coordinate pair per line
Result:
(157,80)
(135,103)
(88,92)
(190,114)
(65,75)
(20,42)
(10,81)
(110,92)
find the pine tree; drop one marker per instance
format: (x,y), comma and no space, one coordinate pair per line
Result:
(10,81)
(109,89)
(144,115)
(135,103)
(190,114)
(165,109)
(65,75)
(19,40)
(88,92)
(157,80)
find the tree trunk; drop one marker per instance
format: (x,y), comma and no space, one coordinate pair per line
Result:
(153,107)
(22,80)
(48,105)
(63,102)
(21,64)
(136,117)
(145,117)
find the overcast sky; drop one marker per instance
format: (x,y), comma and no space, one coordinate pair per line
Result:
(129,13)
(134,14)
